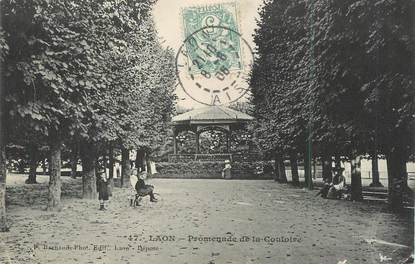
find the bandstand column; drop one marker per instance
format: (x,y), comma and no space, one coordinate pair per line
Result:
(228,141)
(197,143)
(174,141)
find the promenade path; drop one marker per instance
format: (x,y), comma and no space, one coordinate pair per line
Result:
(263,221)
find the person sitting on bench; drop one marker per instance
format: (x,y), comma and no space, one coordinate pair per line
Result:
(143,189)
(338,184)
(325,190)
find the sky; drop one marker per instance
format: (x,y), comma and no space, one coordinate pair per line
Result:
(169,26)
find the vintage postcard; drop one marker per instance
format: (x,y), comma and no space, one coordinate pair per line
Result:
(207,131)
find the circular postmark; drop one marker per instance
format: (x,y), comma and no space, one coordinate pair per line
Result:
(213,64)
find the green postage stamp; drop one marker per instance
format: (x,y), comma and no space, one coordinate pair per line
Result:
(211,36)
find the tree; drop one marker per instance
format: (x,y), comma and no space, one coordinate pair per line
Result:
(26,145)
(43,64)
(112,72)
(34,162)
(294,168)
(3,171)
(148,80)
(375,170)
(370,82)
(74,157)
(62,68)
(279,77)
(343,71)
(391,98)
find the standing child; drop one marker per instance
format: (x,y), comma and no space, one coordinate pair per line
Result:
(102,185)
(133,181)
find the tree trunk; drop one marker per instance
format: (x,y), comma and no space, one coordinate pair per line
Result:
(89,183)
(294,169)
(375,171)
(44,167)
(396,178)
(281,169)
(3,219)
(139,160)
(54,195)
(105,161)
(356,184)
(314,168)
(327,168)
(307,160)
(126,167)
(3,171)
(111,170)
(148,166)
(337,160)
(307,170)
(276,168)
(74,159)
(33,163)
(21,166)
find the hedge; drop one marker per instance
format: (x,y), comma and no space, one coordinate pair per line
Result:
(212,170)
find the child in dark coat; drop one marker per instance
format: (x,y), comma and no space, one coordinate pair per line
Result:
(102,185)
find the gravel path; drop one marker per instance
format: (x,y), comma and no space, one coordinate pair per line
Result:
(202,221)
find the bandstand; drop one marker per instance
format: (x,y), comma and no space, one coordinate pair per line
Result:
(218,118)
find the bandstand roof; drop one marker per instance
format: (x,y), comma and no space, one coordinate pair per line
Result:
(214,114)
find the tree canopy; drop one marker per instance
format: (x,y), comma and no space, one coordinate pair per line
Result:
(93,70)
(343,67)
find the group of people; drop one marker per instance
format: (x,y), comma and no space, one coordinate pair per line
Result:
(337,187)
(141,189)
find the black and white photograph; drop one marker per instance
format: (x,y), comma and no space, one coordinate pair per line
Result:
(207,131)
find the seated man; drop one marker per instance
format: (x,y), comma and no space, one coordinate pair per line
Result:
(143,189)
(325,190)
(338,184)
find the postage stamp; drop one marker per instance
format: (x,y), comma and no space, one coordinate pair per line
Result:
(214,61)
(215,38)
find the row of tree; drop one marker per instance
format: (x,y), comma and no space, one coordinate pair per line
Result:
(88,76)
(335,78)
